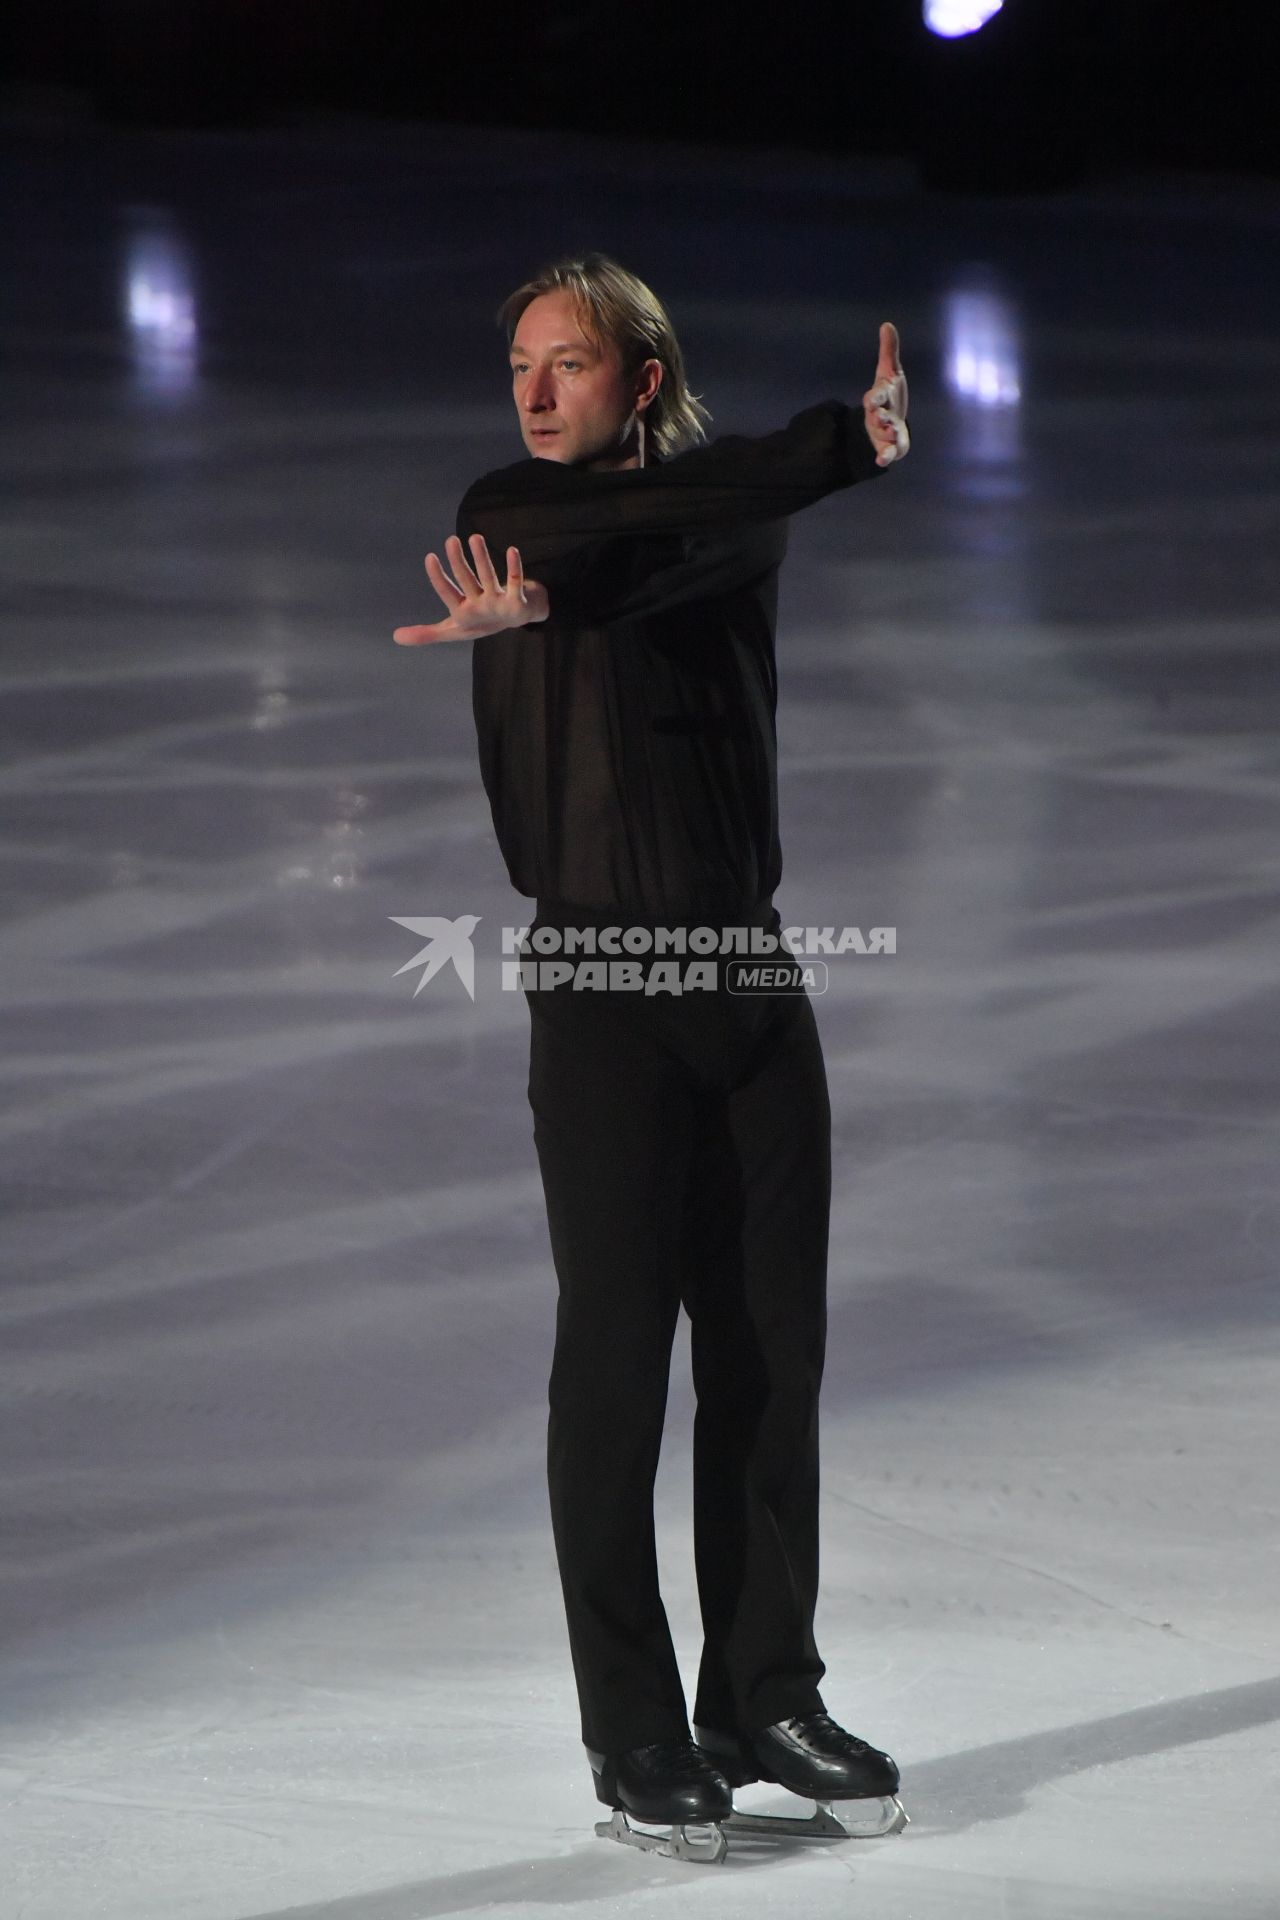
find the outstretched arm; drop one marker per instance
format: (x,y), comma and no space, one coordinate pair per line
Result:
(608,546)
(731,481)
(596,546)
(734,479)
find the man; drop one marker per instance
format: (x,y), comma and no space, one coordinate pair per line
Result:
(628,749)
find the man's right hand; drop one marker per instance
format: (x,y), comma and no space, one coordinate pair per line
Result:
(884,404)
(478,603)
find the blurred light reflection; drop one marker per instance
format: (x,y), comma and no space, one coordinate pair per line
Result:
(982,369)
(159,302)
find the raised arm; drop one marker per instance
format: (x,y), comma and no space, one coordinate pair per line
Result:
(734,479)
(610,545)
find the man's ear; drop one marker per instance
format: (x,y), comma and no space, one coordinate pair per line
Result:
(652,395)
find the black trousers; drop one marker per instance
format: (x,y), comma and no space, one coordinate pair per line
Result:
(684,1145)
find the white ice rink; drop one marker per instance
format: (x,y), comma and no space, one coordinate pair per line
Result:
(281,1627)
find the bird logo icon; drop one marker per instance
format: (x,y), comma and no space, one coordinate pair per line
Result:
(446,940)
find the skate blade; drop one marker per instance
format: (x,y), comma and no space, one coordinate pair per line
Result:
(698,1841)
(890,1817)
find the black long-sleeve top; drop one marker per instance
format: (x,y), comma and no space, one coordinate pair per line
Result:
(628,743)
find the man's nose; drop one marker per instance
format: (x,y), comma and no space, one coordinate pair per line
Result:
(537,393)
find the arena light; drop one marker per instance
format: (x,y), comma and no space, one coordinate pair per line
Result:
(951,18)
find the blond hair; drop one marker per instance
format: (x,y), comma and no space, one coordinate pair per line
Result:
(612,305)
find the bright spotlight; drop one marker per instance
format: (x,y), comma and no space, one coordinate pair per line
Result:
(951,18)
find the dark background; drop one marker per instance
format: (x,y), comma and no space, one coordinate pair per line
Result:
(1046,94)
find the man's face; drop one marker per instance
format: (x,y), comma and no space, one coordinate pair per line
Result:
(573,402)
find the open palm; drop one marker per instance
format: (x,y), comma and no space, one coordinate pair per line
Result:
(478,602)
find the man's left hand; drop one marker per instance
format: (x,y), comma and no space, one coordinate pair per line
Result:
(884,404)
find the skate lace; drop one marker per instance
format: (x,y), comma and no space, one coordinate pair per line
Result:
(833,1736)
(677,1754)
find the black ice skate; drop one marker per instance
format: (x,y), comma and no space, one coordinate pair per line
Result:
(810,1755)
(666,1784)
